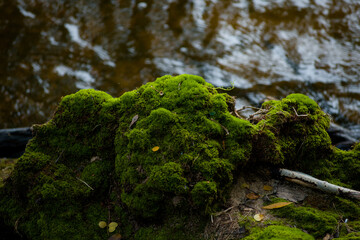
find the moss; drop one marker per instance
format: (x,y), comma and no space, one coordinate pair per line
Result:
(6,167)
(204,193)
(191,124)
(96,175)
(94,160)
(177,226)
(346,208)
(279,233)
(293,132)
(345,166)
(316,222)
(168,178)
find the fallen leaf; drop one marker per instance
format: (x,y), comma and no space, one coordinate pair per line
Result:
(102,224)
(245,185)
(268,188)
(111,229)
(113,224)
(252,196)
(277,205)
(155,148)
(116,236)
(258,217)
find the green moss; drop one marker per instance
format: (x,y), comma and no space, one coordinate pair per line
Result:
(191,124)
(279,233)
(6,167)
(94,160)
(204,194)
(293,132)
(178,226)
(316,222)
(168,178)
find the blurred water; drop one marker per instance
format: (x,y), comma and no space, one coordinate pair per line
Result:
(49,49)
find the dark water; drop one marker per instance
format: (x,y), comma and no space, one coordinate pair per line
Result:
(49,49)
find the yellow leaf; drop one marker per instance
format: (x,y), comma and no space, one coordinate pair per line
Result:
(155,148)
(111,229)
(277,205)
(258,217)
(268,188)
(252,196)
(102,224)
(113,224)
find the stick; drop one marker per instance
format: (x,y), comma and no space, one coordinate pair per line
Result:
(84,183)
(309,181)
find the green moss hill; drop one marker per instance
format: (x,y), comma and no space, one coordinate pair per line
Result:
(159,159)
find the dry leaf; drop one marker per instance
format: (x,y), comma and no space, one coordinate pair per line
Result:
(252,196)
(102,224)
(245,185)
(155,148)
(258,217)
(277,205)
(268,188)
(116,236)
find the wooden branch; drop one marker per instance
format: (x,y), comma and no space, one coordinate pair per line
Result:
(309,181)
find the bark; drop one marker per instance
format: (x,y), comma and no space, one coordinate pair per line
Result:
(309,181)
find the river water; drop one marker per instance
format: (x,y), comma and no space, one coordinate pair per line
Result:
(49,49)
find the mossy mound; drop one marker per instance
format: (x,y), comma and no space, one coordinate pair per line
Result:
(168,148)
(200,144)
(293,132)
(275,232)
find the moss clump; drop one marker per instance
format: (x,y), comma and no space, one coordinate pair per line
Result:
(46,195)
(90,152)
(279,233)
(96,160)
(292,132)
(316,222)
(204,193)
(198,141)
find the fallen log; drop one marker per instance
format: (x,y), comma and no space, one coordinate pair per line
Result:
(309,181)
(13,141)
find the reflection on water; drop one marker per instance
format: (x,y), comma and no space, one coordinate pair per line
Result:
(53,48)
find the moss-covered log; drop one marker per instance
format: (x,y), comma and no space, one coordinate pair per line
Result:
(158,154)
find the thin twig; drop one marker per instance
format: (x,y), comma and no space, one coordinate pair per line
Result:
(245,107)
(304,115)
(224,211)
(59,156)
(16,226)
(84,183)
(227,131)
(237,114)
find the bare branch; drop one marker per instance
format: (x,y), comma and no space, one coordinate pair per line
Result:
(309,181)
